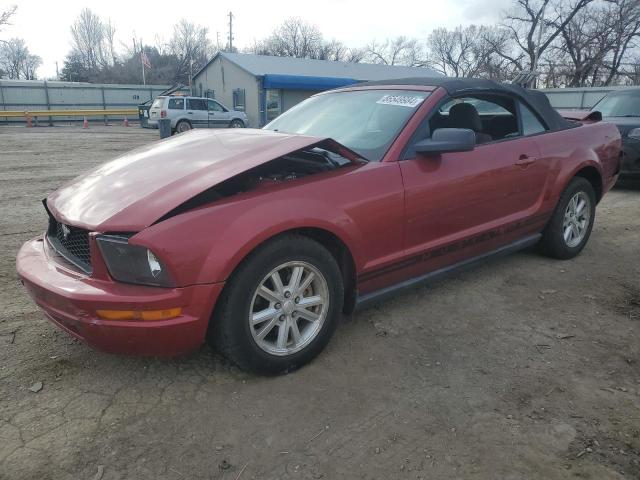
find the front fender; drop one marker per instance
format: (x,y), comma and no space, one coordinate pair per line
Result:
(263,221)
(205,245)
(360,205)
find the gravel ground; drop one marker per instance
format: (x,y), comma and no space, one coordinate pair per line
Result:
(524,368)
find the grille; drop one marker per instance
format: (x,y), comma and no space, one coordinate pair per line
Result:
(70,242)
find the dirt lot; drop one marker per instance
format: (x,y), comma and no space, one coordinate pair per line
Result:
(525,368)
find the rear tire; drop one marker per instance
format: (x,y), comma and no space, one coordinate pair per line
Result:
(183,126)
(570,226)
(272,326)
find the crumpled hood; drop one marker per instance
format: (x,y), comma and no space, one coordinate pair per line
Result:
(136,189)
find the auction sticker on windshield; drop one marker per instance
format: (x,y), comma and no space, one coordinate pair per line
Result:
(401,100)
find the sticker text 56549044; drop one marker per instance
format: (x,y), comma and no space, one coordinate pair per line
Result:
(410,101)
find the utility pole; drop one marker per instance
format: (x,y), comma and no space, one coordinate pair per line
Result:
(218,40)
(231,32)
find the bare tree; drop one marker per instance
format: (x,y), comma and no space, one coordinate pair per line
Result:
(192,48)
(299,39)
(5,16)
(471,51)
(536,24)
(354,55)
(16,62)
(594,43)
(258,47)
(333,50)
(92,40)
(629,73)
(109,41)
(396,51)
(295,38)
(584,45)
(624,17)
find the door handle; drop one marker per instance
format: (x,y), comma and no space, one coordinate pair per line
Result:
(190,113)
(525,160)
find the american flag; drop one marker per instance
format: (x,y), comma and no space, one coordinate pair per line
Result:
(145,60)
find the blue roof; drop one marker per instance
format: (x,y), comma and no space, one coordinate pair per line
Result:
(261,65)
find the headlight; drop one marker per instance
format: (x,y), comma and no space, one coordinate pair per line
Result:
(132,263)
(634,133)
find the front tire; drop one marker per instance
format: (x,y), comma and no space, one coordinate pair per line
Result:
(570,226)
(236,124)
(280,307)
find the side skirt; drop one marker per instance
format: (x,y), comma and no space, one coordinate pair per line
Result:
(368,299)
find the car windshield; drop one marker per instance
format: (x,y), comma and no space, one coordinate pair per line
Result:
(623,104)
(366,121)
(157,103)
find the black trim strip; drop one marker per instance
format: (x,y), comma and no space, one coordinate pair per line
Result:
(365,300)
(453,247)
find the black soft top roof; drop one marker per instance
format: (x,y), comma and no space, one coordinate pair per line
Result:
(538,101)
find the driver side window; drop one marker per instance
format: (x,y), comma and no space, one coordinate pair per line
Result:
(491,117)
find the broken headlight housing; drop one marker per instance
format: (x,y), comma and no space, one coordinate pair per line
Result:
(132,263)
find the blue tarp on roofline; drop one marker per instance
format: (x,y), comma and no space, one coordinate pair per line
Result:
(299,82)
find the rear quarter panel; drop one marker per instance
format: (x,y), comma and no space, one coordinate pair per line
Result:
(594,145)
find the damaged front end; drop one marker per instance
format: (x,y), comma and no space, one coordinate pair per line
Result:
(325,156)
(148,184)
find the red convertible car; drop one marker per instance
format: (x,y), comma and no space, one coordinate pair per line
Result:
(260,239)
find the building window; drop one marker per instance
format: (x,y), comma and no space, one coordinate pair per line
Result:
(210,93)
(273,104)
(238,99)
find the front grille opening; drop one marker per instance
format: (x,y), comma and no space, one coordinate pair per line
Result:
(70,242)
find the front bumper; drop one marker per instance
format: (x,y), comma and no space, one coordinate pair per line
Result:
(70,299)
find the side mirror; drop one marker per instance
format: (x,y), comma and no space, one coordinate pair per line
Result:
(445,140)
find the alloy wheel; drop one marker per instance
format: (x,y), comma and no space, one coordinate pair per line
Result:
(289,308)
(577,216)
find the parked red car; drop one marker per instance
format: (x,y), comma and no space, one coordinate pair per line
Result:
(260,239)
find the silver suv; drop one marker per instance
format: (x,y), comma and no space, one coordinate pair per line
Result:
(186,113)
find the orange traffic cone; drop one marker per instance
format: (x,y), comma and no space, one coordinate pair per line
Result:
(85,123)
(126,122)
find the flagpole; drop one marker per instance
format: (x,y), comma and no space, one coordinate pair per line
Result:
(142,62)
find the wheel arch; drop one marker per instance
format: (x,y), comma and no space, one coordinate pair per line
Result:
(186,120)
(343,256)
(330,240)
(593,176)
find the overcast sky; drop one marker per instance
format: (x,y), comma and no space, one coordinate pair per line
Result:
(44,24)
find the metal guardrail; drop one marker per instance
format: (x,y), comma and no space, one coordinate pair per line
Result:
(69,113)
